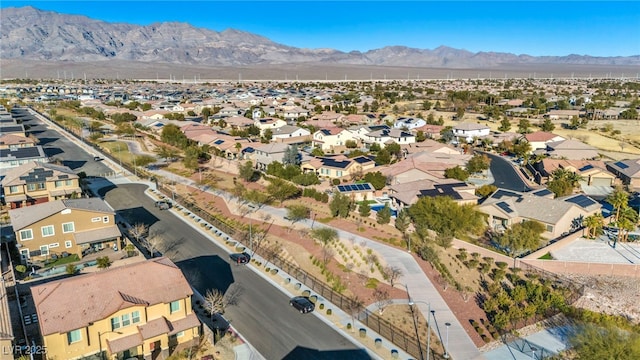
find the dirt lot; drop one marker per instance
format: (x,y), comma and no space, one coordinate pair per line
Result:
(610,295)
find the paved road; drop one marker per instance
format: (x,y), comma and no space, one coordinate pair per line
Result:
(262,314)
(58,146)
(506,176)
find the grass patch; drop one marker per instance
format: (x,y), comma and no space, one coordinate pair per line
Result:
(63,260)
(372,283)
(324,220)
(119,150)
(546,256)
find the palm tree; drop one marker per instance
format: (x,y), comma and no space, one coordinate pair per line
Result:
(626,223)
(594,224)
(619,199)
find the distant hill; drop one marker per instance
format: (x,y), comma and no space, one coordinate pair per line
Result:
(31,34)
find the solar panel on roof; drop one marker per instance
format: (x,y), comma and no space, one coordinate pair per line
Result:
(582,201)
(621,165)
(367,186)
(543,192)
(586,167)
(218,142)
(341,188)
(359,187)
(504,206)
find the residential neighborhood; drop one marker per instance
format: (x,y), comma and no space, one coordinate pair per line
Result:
(123,201)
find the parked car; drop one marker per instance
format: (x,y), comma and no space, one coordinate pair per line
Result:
(240,258)
(302,304)
(97,158)
(162,205)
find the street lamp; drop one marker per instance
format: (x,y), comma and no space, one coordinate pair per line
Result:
(446,349)
(415,323)
(533,352)
(314,220)
(100,341)
(431,313)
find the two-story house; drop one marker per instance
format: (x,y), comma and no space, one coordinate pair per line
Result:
(328,138)
(539,139)
(383,137)
(409,123)
(269,123)
(132,311)
(293,113)
(337,167)
(35,183)
(265,154)
(71,226)
(291,132)
(469,131)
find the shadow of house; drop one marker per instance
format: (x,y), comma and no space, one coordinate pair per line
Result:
(73,164)
(207,272)
(313,354)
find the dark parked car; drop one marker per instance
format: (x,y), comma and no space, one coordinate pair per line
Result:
(240,258)
(97,158)
(302,304)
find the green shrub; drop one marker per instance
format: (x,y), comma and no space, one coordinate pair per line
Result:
(349,326)
(372,283)
(306,293)
(363,332)
(328,311)
(321,306)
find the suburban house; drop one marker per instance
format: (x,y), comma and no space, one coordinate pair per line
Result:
(539,139)
(469,131)
(430,146)
(294,113)
(406,194)
(15,141)
(593,172)
(132,311)
(12,128)
(383,137)
(58,228)
(409,123)
(337,167)
(422,166)
(14,157)
(265,154)
(626,170)
(35,183)
(571,149)
(329,138)
(560,216)
(563,114)
(357,191)
(238,122)
(290,131)
(230,111)
(269,123)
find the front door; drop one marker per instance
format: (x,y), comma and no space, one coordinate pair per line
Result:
(156,350)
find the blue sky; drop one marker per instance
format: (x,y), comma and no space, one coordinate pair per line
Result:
(598,28)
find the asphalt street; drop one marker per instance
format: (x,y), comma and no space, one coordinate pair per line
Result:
(262,313)
(505,174)
(57,146)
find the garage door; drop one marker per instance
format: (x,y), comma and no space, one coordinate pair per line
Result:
(600,181)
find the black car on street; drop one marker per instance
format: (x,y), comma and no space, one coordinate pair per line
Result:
(302,304)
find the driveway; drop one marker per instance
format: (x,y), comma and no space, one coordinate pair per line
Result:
(505,174)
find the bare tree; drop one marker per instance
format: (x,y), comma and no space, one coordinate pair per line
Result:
(327,254)
(214,302)
(392,273)
(152,243)
(382,299)
(354,307)
(271,251)
(363,277)
(232,296)
(138,230)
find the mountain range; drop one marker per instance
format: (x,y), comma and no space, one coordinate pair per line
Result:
(31,34)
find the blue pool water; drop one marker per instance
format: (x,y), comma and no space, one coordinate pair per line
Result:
(377,207)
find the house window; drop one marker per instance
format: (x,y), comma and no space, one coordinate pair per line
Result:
(126,320)
(35,186)
(135,317)
(115,323)
(26,234)
(68,182)
(105,219)
(59,183)
(549,228)
(338,173)
(68,227)
(24,254)
(54,245)
(180,334)
(95,219)
(44,250)
(13,189)
(74,336)
(48,231)
(174,306)
(68,244)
